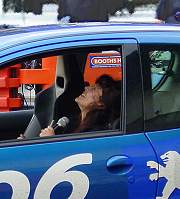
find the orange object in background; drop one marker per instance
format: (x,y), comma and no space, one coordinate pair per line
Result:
(12,77)
(44,76)
(9,84)
(98,64)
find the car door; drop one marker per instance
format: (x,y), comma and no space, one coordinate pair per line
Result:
(161,77)
(105,164)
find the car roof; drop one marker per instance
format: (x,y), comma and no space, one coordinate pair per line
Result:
(92,25)
(13,35)
(93,28)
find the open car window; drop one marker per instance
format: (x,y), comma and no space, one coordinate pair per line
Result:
(44,88)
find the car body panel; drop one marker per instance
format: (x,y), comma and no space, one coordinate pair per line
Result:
(167,150)
(54,44)
(35,160)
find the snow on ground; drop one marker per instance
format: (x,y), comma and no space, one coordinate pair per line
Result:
(141,14)
(49,16)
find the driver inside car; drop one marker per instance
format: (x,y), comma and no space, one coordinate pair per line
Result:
(99,106)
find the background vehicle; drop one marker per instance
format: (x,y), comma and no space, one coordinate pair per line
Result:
(142,148)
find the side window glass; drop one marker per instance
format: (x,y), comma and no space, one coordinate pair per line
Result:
(81,85)
(160,62)
(162,93)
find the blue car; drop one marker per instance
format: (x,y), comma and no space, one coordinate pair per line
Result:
(43,69)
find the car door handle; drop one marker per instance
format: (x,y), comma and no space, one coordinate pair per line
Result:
(120,164)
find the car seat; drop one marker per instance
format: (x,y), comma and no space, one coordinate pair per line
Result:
(43,112)
(45,99)
(71,83)
(98,64)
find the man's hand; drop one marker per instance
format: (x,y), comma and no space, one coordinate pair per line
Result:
(47,132)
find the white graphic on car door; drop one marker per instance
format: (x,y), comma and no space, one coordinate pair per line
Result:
(57,173)
(170,171)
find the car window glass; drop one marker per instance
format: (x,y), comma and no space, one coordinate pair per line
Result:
(160,62)
(162,84)
(44,98)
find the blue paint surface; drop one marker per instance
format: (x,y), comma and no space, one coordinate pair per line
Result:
(35,159)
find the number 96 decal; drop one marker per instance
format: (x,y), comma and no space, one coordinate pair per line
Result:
(56,174)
